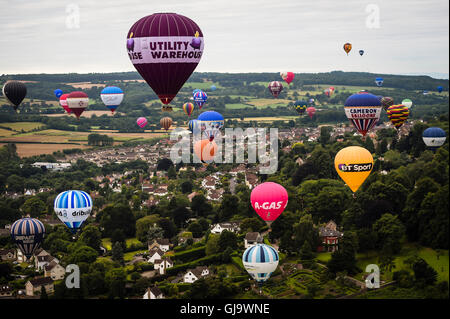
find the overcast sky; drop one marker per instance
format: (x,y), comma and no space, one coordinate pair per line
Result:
(412,36)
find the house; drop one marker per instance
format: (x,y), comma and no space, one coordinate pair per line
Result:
(8,254)
(192,275)
(209,182)
(220,227)
(155,254)
(329,236)
(251,180)
(252,239)
(215,194)
(163,264)
(54,271)
(35,285)
(43,259)
(153,293)
(161,243)
(192,195)
(5,290)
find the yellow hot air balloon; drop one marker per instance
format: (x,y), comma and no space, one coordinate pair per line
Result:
(353,164)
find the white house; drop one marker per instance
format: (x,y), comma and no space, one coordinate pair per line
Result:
(153,293)
(43,259)
(155,254)
(195,274)
(252,239)
(54,271)
(163,264)
(161,243)
(220,227)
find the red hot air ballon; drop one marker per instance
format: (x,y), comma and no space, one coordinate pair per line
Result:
(287,76)
(311,111)
(275,88)
(63,102)
(165,49)
(269,200)
(77,102)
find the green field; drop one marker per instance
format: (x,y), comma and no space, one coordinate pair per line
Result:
(201,85)
(22,126)
(106,242)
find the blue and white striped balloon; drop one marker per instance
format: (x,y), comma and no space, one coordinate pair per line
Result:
(72,208)
(112,96)
(28,233)
(260,261)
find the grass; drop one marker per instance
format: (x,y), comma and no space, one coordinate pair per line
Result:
(324,257)
(202,85)
(106,242)
(22,126)
(129,256)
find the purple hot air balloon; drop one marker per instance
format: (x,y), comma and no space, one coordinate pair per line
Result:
(167,49)
(130,44)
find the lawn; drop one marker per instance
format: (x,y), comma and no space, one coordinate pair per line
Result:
(324,257)
(106,242)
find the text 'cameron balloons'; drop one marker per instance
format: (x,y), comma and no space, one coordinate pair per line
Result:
(211,123)
(165,49)
(275,88)
(141,122)
(28,234)
(14,92)
(63,103)
(397,114)
(260,261)
(165,122)
(440,88)
(361,52)
(379,81)
(200,98)
(407,102)
(188,108)
(363,111)
(77,102)
(311,111)
(300,106)
(434,137)
(353,164)
(347,47)
(112,96)
(269,200)
(73,208)
(287,76)
(205,150)
(58,92)
(386,102)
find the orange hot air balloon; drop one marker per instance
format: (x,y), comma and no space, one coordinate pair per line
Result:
(205,150)
(347,47)
(397,114)
(166,123)
(353,164)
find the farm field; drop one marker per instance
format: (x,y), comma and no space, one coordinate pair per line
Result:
(85,85)
(22,126)
(87,114)
(27,150)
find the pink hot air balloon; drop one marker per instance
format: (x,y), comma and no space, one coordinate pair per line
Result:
(311,111)
(275,88)
(269,200)
(63,102)
(142,122)
(287,76)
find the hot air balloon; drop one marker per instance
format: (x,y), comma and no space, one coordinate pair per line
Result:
(166,123)
(260,261)
(205,150)
(193,125)
(287,76)
(311,101)
(331,89)
(213,88)
(73,208)
(188,108)
(347,47)
(386,102)
(397,114)
(58,92)
(112,96)
(327,92)
(77,102)
(28,234)
(361,52)
(275,88)
(269,200)
(300,107)
(434,137)
(379,81)
(311,111)
(353,164)
(211,123)
(166,108)
(407,102)
(195,91)
(14,92)
(363,111)
(440,88)
(200,98)
(63,102)
(165,50)
(141,122)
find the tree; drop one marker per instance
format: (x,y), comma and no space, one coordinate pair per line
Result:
(424,274)
(226,255)
(304,231)
(43,293)
(389,232)
(306,251)
(115,280)
(227,239)
(228,207)
(253,224)
(200,206)
(117,216)
(118,236)
(344,259)
(212,246)
(168,226)
(143,225)
(117,252)
(186,187)
(172,173)
(84,254)
(164,164)
(91,236)
(34,207)
(154,232)
(196,230)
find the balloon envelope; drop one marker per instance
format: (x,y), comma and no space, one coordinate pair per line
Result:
(188,108)
(73,208)
(165,50)
(200,98)
(363,111)
(58,92)
(213,88)
(63,103)
(166,123)
(211,123)
(434,137)
(275,88)
(407,102)
(347,47)
(14,92)
(311,111)
(440,88)
(397,114)
(141,122)
(77,102)
(205,150)
(353,164)
(300,106)
(379,81)
(287,76)
(28,234)
(361,52)
(260,261)
(112,96)
(269,200)
(194,126)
